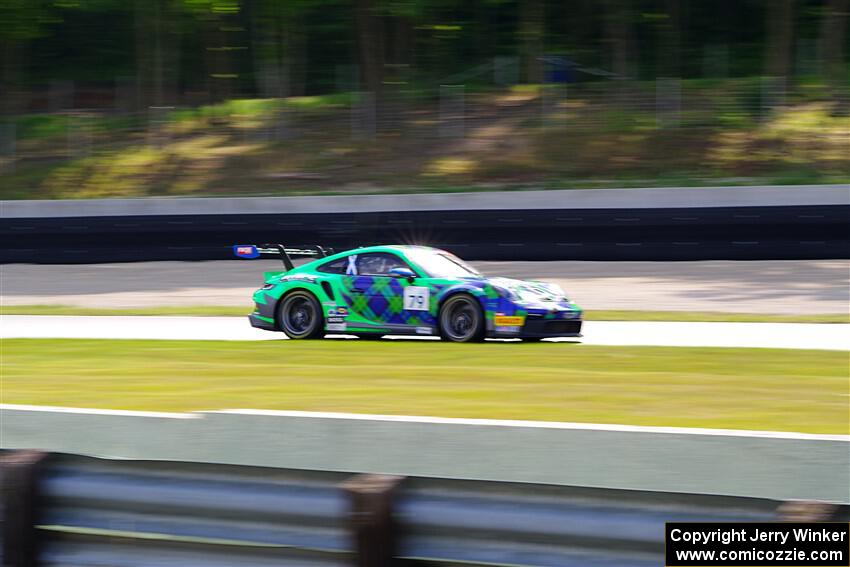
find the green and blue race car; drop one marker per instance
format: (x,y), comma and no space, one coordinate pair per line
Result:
(403,290)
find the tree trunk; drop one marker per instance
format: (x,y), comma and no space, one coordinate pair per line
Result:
(370,38)
(296,53)
(531,39)
(157,59)
(671,43)
(143,54)
(483,32)
(11,102)
(833,29)
(780,21)
(620,40)
(267,47)
(158,67)
(402,40)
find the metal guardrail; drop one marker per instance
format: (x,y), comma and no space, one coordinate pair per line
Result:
(101,513)
(484,523)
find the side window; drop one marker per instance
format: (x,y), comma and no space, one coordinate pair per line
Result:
(337,266)
(378,263)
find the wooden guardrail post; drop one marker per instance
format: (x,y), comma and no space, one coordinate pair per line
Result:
(371,518)
(19,500)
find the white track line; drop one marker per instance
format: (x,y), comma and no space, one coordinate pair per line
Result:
(612,427)
(745,335)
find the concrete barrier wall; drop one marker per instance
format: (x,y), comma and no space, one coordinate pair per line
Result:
(668,197)
(781,466)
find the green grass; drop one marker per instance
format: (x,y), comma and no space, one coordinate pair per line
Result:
(768,389)
(593,315)
(706,316)
(186,310)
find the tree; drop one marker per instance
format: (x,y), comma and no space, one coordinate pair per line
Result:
(670,61)
(621,38)
(222,31)
(833,30)
(780,30)
(279,40)
(370,40)
(531,39)
(157,51)
(22,21)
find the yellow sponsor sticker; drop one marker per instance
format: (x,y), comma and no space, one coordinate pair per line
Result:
(509,320)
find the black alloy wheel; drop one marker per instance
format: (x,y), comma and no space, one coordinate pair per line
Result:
(462,319)
(300,316)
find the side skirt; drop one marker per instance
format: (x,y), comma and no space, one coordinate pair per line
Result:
(408,330)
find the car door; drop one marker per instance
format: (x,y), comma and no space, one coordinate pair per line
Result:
(385,301)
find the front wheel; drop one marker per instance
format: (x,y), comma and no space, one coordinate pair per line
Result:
(300,316)
(461,319)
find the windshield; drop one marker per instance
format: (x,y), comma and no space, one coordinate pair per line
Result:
(443,265)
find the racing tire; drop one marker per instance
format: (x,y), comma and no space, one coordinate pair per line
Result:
(299,316)
(461,319)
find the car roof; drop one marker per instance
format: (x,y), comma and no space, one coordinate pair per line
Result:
(402,248)
(385,247)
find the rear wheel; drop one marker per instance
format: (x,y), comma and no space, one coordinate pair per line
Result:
(462,319)
(300,316)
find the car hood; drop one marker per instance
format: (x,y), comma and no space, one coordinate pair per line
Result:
(534,291)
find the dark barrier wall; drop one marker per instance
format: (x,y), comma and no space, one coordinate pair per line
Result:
(693,233)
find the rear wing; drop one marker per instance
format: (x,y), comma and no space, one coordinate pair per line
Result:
(252,251)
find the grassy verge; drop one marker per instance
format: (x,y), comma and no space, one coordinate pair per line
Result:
(594,315)
(691,387)
(705,316)
(186,310)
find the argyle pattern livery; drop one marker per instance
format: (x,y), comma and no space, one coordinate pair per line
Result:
(381,299)
(375,304)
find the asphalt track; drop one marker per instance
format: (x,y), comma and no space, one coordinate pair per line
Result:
(741,335)
(792,287)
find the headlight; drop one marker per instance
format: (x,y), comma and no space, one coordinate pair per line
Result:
(557,293)
(507,293)
(550,293)
(267,286)
(530,296)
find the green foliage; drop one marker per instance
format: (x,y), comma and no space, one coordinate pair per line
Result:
(213,60)
(436,38)
(214,7)
(36,126)
(26,19)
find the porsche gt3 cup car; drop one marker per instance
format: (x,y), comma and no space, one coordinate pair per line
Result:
(404,290)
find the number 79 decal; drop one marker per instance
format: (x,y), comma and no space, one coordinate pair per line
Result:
(416,298)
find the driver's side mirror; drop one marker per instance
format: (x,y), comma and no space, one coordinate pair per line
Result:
(405,273)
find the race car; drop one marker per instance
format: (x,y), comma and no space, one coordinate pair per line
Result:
(403,290)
